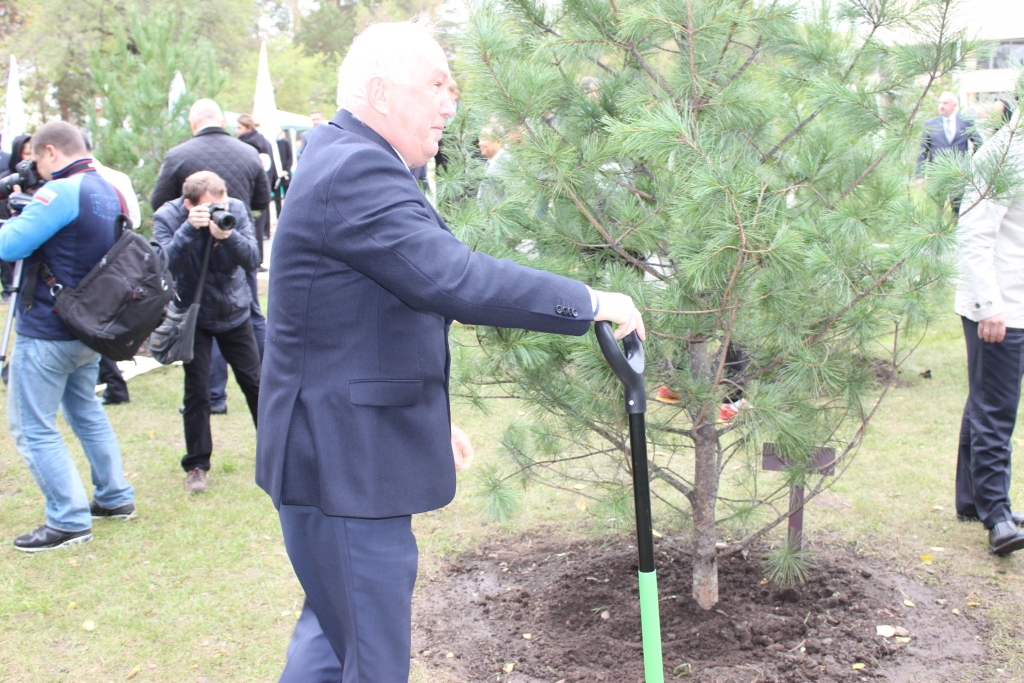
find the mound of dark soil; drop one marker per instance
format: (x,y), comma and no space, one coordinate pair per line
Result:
(541,611)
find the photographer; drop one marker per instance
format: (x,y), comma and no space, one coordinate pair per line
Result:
(69,226)
(183,227)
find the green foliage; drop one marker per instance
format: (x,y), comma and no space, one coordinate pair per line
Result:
(786,565)
(133,81)
(302,82)
(743,172)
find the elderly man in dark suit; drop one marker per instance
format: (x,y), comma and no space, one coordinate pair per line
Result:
(947,133)
(354,425)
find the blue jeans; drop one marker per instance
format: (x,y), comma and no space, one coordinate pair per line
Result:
(45,375)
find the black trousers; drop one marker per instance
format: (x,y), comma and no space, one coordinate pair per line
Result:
(239,348)
(110,374)
(983,464)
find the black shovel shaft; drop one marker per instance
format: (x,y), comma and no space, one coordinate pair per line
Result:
(641,492)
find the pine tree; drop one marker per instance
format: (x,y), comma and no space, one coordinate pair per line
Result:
(743,170)
(134,128)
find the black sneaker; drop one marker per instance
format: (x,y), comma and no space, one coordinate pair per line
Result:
(48,538)
(126,511)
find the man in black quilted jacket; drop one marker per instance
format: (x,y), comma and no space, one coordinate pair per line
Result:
(183,228)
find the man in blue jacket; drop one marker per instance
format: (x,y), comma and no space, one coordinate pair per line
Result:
(183,228)
(354,432)
(69,226)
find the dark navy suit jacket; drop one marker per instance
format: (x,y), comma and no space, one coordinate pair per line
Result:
(934,140)
(366,279)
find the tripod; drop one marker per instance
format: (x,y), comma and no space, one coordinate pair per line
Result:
(15,291)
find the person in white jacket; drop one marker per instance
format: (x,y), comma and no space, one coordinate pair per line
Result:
(990,301)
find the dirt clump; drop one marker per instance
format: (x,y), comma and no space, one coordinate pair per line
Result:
(544,611)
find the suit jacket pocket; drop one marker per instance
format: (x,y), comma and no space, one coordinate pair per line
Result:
(385,392)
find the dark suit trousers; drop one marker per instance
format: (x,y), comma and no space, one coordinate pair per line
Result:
(239,348)
(358,574)
(110,374)
(983,464)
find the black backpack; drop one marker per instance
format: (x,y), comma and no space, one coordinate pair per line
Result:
(120,301)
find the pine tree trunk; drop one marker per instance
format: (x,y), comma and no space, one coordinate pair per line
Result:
(705,565)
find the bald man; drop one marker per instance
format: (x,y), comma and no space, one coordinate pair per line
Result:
(355,433)
(947,133)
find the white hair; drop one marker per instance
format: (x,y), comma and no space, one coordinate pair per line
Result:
(205,110)
(382,50)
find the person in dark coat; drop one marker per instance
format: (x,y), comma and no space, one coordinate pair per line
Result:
(284,149)
(212,149)
(947,133)
(21,150)
(355,432)
(183,228)
(247,132)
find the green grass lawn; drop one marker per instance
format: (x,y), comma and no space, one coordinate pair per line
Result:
(199,587)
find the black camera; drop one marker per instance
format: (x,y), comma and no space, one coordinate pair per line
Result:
(26,176)
(220,215)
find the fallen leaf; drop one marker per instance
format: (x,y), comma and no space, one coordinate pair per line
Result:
(885,630)
(88,625)
(972,603)
(72,605)
(509,667)
(908,603)
(927,559)
(450,655)
(656,533)
(131,674)
(527,636)
(73,562)
(285,613)
(581,505)
(956,612)
(937,508)
(606,615)
(297,614)
(194,666)
(902,639)
(902,632)
(858,666)
(764,581)
(152,434)
(937,549)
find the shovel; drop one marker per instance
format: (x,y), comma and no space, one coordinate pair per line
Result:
(629,368)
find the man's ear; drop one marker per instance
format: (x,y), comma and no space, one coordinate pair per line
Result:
(377,95)
(52,152)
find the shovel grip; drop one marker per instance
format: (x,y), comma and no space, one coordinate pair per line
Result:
(627,365)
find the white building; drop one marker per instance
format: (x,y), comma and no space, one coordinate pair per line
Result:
(1002,23)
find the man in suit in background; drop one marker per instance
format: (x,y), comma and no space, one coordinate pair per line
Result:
(947,133)
(354,425)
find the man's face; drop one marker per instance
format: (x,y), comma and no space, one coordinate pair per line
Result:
(489,145)
(947,106)
(419,105)
(48,161)
(317,118)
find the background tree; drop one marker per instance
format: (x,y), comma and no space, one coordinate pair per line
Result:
(742,170)
(133,79)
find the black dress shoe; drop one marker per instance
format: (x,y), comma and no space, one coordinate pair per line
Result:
(48,538)
(126,511)
(1018,518)
(1005,538)
(107,401)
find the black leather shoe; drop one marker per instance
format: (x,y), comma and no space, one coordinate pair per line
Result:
(111,402)
(1005,538)
(48,538)
(126,511)
(1018,518)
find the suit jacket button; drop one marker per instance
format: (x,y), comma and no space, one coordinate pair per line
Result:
(558,309)
(575,313)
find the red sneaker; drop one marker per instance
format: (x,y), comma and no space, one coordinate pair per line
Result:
(666,395)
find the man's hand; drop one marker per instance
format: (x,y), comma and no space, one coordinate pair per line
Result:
(199,216)
(462,449)
(619,309)
(993,329)
(217,233)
